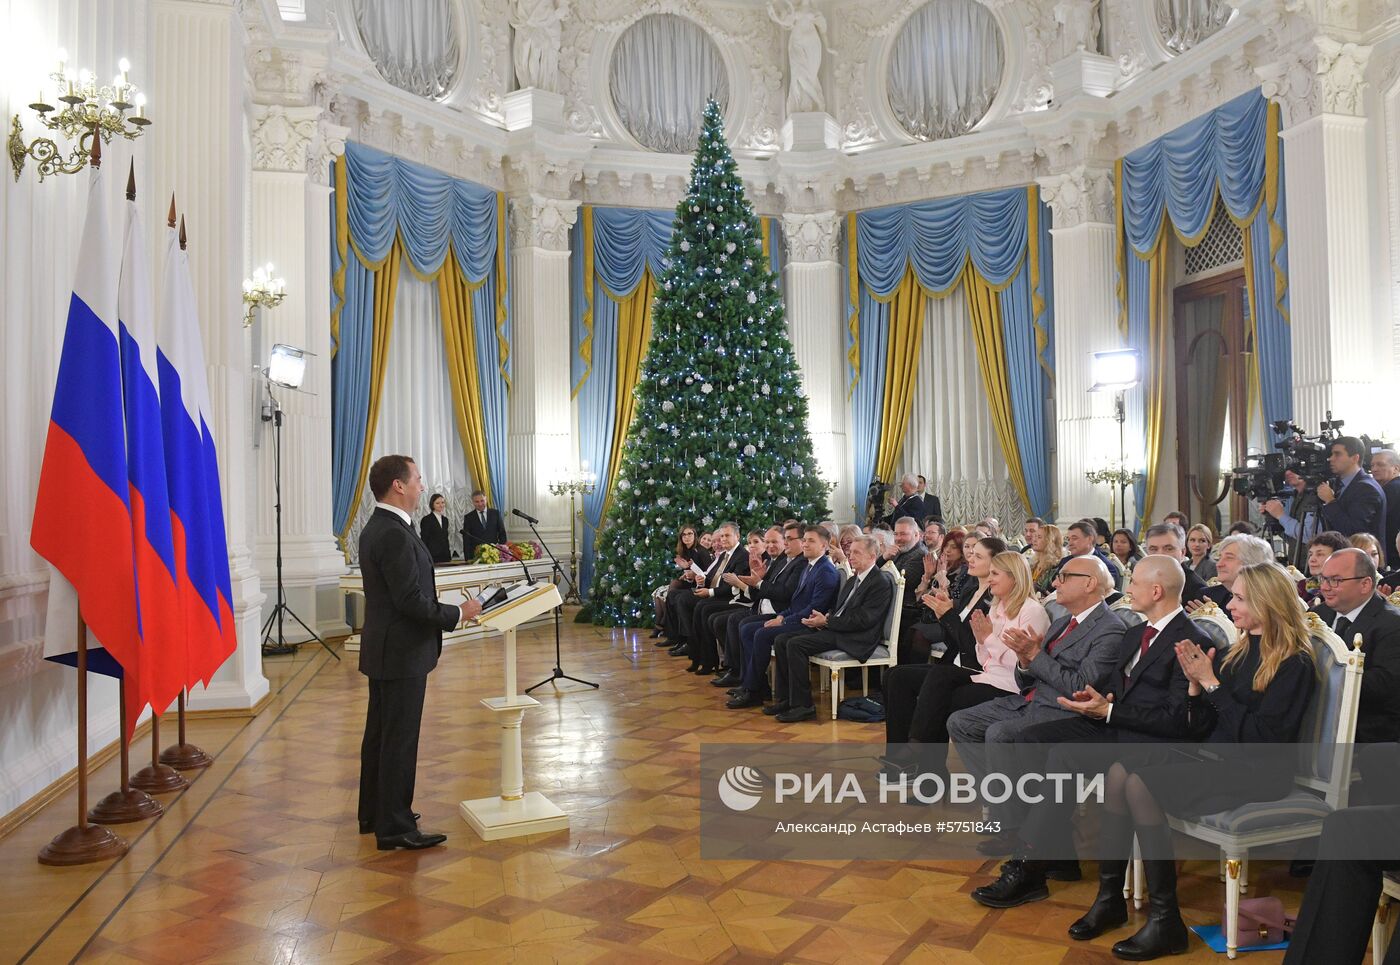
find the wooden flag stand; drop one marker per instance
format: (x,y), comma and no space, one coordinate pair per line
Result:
(184,756)
(85,842)
(155,777)
(127,803)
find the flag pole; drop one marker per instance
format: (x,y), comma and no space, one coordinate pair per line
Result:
(126,804)
(85,842)
(155,777)
(184,756)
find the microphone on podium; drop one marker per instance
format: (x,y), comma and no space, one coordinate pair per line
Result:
(525,516)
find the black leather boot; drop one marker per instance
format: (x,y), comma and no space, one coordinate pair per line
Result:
(1110,908)
(1165,932)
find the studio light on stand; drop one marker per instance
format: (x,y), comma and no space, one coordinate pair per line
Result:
(286,368)
(1117,372)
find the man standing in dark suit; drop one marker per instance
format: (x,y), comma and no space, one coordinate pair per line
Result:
(1351,606)
(481,526)
(1385,469)
(854,626)
(910,503)
(1356,503)
(434,529)
(399,646)
(1146,702)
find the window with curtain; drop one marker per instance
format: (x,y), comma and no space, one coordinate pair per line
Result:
(413,43)
(945,68)
(663,70)
(1185,23)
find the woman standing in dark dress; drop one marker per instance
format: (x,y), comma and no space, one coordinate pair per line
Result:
(1258,696)
(433,529)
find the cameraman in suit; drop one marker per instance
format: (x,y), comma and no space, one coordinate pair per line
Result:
(1354,502)
(399,646)
(481,526)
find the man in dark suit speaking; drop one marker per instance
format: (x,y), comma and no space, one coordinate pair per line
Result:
(480,526)
(399,646)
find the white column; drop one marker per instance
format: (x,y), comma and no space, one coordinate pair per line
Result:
(540,441)
(290,206)
(816,325)
(196,62)
(1086,321)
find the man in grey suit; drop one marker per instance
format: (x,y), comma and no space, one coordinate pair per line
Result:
(1079,651)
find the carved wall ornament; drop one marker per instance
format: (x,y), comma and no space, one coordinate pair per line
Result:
(540,222)
(812,237)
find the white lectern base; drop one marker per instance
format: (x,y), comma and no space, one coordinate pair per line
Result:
(494,818)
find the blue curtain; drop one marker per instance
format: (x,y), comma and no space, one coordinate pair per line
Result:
(625,240)
(432,212)
(937,238)
(1173,181)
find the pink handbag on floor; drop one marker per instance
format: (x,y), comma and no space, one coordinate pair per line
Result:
(1262,922)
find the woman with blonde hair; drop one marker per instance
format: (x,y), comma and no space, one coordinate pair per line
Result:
(1199,540)
(1048,548)
(1371,546)
(919,698)
(1257,695)
(840,546)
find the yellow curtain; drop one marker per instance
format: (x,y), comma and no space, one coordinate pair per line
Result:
(985,312)
(901,370)
(386,290)
(1155,369)
(633,337)
(853,325)
(585,345)
(459,339)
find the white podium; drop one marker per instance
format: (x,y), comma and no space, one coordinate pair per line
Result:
(514,812)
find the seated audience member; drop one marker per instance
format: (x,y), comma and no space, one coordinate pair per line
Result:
(940,628)
(1079,651)
(1199,540)
(934,533)
(920,697)
(1146,702)
(992,526)
(1390,580)
(1103,534)
(816,589)
(703,646)
(707,542)
(909,559)
(1357,505)
(842,544)
(1124,549)
(688,551)
(1256,697)
(1244,526)
(1167,539)
(433,529)
(951,572)
(1385,469)
(1351,607)
(771,582)
(1028,534)
(1339,907)
(1082,541)
(681,603)
(1178,518)
(1232,554)
(1322,546)
(854,626)
(1367,544)
(1046,554)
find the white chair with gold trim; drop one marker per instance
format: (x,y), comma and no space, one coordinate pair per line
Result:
(885,655)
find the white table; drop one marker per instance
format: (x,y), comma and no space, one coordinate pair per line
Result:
(452,582)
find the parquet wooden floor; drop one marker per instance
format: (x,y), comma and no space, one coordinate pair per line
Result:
(259,861)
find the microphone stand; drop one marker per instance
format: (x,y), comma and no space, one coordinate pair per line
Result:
(558,673)
(530,580)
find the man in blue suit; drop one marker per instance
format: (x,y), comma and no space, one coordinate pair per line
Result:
(816,590)
(1356,503)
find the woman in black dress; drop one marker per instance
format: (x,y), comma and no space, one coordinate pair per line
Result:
(688,550)
(1257,696)
(433,529)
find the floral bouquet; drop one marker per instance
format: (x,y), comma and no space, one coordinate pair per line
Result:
(507,552)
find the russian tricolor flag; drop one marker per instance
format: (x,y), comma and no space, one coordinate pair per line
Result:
(192,469)
(82,518)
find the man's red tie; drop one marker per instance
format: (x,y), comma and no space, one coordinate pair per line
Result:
(1050,647)
(1148,636)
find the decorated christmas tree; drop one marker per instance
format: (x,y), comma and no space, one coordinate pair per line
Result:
(720,431)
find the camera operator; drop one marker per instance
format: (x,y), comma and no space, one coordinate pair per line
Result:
(1353,502)
(1282,511)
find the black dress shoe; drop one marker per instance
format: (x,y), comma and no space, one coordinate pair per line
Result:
(781,707)
(367,827)
(679,650)
(412,841)
(730,679)
(705,670)
(744,699)
(665,642)
(693,668)
(795,714)
(1020,882)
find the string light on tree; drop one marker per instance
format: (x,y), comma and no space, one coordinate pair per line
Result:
(712,404)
